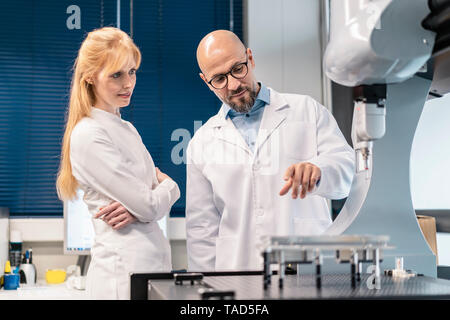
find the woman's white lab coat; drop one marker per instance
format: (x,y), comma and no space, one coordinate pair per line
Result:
(111,163)
(232,196)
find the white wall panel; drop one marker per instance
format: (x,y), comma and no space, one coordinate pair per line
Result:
(285,37)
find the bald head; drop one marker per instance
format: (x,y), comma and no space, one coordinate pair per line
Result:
(216,46)
(218,54)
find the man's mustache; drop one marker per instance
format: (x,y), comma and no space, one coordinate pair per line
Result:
(238,90)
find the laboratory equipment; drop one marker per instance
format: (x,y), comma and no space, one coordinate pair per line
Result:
(27,270)
(297,250)
(249,286)
(382,49)
(11,279)
(399,271)
(27,274)
(15,247)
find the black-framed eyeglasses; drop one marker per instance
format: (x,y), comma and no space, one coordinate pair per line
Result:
(239,71)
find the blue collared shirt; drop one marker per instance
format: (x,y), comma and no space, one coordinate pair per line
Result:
(248,123)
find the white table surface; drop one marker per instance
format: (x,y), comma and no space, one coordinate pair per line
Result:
(43,291)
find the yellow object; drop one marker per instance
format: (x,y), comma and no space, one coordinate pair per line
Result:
(55,276)
(8,267)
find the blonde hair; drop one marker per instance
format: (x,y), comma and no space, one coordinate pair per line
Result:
(107,50)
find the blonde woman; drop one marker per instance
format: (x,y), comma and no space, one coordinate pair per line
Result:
(105,157)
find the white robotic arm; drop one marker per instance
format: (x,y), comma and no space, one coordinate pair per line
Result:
(377,41)
(378,47)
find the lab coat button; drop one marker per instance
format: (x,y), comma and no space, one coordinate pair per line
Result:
(259,212)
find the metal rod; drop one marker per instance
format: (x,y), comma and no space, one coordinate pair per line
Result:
(376,262)
(266,269)
(354,263)
(318,261)
(281,271)
(358,272)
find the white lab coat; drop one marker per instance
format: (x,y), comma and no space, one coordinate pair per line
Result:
(232,197)
(111,163)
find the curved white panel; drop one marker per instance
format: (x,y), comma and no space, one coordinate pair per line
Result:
(378,41)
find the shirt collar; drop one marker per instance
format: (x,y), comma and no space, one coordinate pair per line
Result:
(261,100)
(102,114)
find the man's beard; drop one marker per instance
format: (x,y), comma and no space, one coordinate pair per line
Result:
(243,106)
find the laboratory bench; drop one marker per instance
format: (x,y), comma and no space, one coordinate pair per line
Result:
(43,291)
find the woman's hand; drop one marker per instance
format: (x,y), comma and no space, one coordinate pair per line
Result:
(115,215)
(161,176)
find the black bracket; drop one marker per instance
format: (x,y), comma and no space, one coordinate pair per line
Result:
(193,276)
(209,293)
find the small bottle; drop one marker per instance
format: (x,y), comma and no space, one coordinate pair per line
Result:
(15,247)
(10,279)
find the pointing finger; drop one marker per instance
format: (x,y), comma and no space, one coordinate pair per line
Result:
(286,187)
(297,180)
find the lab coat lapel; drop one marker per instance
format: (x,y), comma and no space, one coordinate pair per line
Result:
(274,115)
(226,131)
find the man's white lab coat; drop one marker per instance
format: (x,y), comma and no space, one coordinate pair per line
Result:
(233,196)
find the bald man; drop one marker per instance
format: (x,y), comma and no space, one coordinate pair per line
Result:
(263,166)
